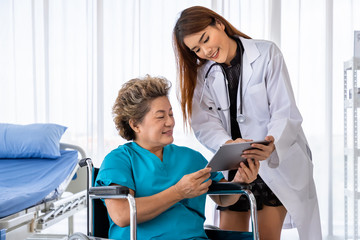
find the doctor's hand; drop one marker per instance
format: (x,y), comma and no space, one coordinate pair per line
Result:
(194,184)
(238,140)
(260,151)
(246,174)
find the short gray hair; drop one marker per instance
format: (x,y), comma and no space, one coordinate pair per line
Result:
(133,102)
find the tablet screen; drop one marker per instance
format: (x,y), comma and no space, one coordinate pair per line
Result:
(229,155)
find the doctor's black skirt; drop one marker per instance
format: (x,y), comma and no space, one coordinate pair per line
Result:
(262,193)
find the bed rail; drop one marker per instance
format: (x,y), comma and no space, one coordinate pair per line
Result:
(30,222)
(55,211)
(66,146)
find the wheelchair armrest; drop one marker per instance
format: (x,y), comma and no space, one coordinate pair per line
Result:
(228,188)
(109,190)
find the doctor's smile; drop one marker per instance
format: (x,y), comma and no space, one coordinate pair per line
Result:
(215,54)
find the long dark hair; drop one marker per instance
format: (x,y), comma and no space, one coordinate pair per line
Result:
(193,20)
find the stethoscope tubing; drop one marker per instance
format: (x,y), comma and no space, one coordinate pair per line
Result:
(241,117)
(226,87)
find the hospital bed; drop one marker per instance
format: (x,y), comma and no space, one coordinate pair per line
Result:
(33,197)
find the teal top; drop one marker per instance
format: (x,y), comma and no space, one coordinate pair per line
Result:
(137,168)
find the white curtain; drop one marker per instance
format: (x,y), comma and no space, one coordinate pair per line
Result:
(64,61)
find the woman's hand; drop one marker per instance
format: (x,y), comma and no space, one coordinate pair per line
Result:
(149,207)
(193,185)
(246,174)
(238,140)
(260,151)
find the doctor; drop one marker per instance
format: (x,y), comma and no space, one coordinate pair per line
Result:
(233,89)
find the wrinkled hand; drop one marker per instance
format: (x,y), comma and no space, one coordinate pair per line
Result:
(193,185)
(260,151)
(246,174)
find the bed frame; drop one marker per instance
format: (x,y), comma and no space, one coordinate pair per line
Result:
(28,223)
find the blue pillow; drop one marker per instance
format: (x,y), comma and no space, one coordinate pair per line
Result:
(39,140)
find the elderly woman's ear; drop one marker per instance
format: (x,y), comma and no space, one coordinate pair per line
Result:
(133,126)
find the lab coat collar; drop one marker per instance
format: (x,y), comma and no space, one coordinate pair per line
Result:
(251,53)
(250,49)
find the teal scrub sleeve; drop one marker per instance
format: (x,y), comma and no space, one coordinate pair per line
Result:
(216,176)
(116,169)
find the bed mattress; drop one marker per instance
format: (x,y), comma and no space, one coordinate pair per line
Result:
(27,182)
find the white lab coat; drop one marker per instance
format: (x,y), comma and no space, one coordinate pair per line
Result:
(270,109)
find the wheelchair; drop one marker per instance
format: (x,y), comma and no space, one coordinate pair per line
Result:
(97,217)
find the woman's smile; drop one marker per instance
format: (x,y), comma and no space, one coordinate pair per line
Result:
(168,133)
(215,54)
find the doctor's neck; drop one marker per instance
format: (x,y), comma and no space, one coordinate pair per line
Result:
(232,51)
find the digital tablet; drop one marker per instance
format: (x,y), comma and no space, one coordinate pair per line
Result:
(229,155)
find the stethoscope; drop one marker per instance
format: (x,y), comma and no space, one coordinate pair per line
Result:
(241,117)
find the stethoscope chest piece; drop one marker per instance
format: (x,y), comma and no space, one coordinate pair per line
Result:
(241,118)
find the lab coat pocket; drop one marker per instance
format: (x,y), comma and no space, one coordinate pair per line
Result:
(258,101)
(296,167)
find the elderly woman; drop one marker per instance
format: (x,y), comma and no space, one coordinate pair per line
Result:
(169,182)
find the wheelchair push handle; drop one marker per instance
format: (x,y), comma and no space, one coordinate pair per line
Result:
(83,162)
